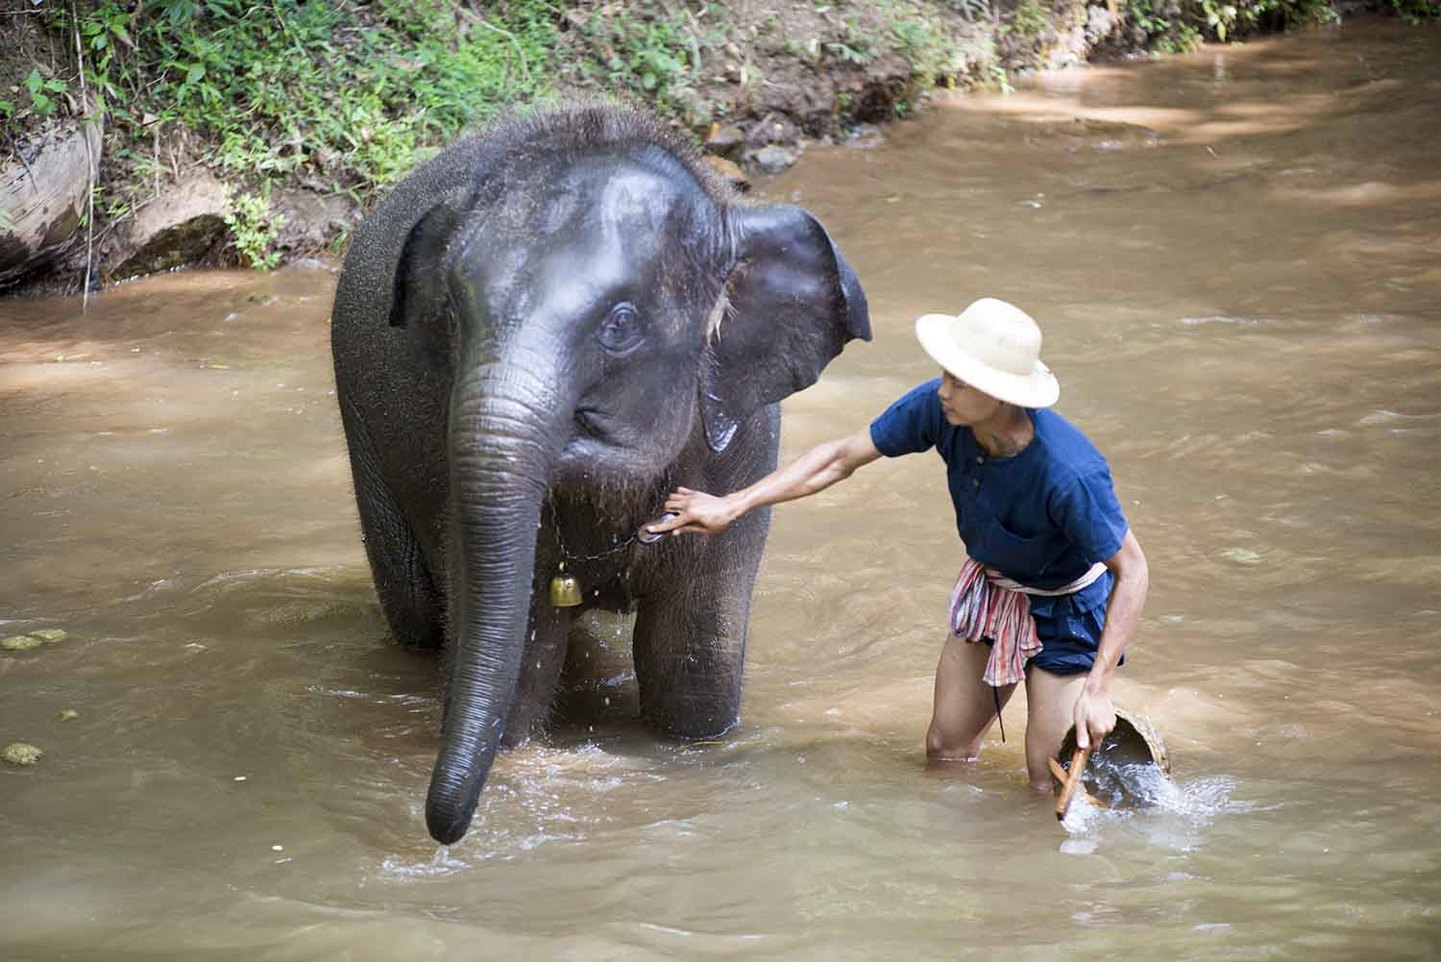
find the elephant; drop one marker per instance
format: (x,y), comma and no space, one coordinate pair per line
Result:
(537,335)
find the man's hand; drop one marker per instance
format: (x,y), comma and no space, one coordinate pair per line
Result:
(822,466)
(696,513)
(1094,716)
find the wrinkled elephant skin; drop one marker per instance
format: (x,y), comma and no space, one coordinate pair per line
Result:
(537,335)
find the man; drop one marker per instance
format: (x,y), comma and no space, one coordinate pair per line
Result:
(1054,581)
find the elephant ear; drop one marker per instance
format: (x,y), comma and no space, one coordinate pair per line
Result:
(791,303)
(419,288)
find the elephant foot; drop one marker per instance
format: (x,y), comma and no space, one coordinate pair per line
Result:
(690,717)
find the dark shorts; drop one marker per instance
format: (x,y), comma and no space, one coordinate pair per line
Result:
(1069,638)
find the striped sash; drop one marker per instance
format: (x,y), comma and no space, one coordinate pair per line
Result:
(988,606)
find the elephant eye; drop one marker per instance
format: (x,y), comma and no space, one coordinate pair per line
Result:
(620,332)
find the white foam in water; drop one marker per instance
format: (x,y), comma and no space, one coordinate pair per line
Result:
(1223,319)
(1166,812)
(1078,846)
(442,863)
(531,804)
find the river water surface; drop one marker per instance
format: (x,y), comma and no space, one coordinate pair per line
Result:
(1236,256)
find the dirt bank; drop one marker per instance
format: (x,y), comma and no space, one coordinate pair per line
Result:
(216,150)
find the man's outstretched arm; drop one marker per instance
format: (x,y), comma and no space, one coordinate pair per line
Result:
(822,466)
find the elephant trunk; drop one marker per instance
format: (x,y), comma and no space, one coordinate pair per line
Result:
(507,425)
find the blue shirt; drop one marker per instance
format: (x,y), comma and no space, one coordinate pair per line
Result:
(1042,516)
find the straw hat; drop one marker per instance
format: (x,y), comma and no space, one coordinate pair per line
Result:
(994,347)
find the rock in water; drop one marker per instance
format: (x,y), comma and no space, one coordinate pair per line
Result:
(773,159)
(730,171)
(21,754)
(725,141)
(20,643)
(186,226)
(44,196)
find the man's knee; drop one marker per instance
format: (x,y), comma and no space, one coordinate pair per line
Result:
(943,746)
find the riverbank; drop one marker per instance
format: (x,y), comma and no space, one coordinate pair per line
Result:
(231,134)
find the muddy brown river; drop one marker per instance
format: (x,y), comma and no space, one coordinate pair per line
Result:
(1236,256)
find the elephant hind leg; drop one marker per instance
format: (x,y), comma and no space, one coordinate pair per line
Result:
(413,605)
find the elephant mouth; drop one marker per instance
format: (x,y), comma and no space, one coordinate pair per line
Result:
(594,438)
(605,445)
(590,423)
(595,428)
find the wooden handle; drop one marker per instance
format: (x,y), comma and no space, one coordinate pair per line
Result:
(1073,781)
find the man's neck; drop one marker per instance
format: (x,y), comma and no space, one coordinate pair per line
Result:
(1006,433)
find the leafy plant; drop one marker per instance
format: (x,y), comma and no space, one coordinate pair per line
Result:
(338,93)
(1029,20)
(1229,19)
(1168,27)
(1416,12)
(41,89)
(847,53)
(653,51)
(919,38)
(1220,17)
(972,10)
(995,77)
(253,229)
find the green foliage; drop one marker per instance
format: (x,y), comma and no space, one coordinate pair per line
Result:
(253,229)
(1180,25)
(1253,16)
(652,50)
(996,78)
(1165,26)
(1029,20)
(40,90)
(907,28)
(293,85)
(844,51)
(972,10)
(919,37)
(1220,17)
(1416,12)
(347,95)
(340,94)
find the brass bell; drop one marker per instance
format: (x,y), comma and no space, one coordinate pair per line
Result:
(564,589)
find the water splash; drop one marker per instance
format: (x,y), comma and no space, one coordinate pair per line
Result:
(1166,812)
(441,864)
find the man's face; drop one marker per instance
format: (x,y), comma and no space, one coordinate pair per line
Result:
(963,405)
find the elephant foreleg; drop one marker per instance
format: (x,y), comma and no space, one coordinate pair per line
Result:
(545,649)
(689,648)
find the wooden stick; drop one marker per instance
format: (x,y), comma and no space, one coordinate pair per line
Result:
(1073,781)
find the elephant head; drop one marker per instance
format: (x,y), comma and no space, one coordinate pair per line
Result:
(590,293)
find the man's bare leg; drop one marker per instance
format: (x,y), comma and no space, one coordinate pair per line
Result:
(1051,703)
(965,705)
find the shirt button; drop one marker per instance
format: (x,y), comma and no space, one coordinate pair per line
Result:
(980,459)
(976,483)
